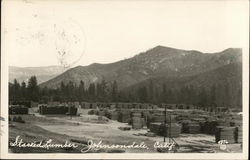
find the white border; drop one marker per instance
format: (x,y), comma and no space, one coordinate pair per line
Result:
(4,113)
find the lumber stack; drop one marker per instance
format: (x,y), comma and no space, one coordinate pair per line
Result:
(114,115)
(155,127)
(223,123)
(101,113)
(17,109)
(124,116)
(72,110)
(185,128)
(172,129)
(239,134)
(194,128)
(137,122)
(209,127)
(225,133)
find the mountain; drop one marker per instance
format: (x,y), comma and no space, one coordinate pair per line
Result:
(231,73)
(170,63)
(42,73)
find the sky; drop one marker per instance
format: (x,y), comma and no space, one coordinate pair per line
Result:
(71,33)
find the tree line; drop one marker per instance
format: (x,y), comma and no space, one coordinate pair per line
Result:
(215,95)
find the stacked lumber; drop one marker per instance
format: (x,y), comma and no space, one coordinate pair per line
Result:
(93,112)
(155,127)
(114,115)
(137,122)
(145,113)
(158,118)
(101,113)
(239,134)
(189,126)
(53,110)
(72,110)
(223,123)
(209,127)
(136,114)
(124,116)
(22,103)
(199,120)
(225,133)
(185,128)
(18,109)
(172,129)
(58,110)
(194,128)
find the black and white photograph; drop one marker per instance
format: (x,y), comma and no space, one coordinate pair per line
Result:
(124,79)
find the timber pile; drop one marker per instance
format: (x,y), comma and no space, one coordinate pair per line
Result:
(237,122)
(239,134)
(53,110)
(158,117)
(124,128)
(18,109)
(124,116)
(137,122)
(225,133)
(223,123)
(155,128)
(194,128)
(21,103)
(72,110)
(189,126)
(209,127)
(58,110)
(136,114)
(93,112)
(185,128)
(172,129)
(199,120)
(114,115)
(101,113)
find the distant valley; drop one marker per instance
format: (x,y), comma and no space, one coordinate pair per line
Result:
(43,74)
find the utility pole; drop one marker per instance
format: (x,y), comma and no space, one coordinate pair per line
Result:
(165,121)
(169,133)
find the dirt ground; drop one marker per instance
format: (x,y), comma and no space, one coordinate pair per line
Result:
(85,127)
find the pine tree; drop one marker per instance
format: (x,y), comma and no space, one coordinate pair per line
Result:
(227,95)
(63,91)
(212,99)
(16,90)
(114,91)
(164,93)
(170,98)
(81,91)
(202,98)
(151,91)
(103,91)
(70,91)
(23,91)
(32,89)
(142,94)
(91,92)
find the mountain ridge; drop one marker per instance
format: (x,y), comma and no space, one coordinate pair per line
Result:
(156,61)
